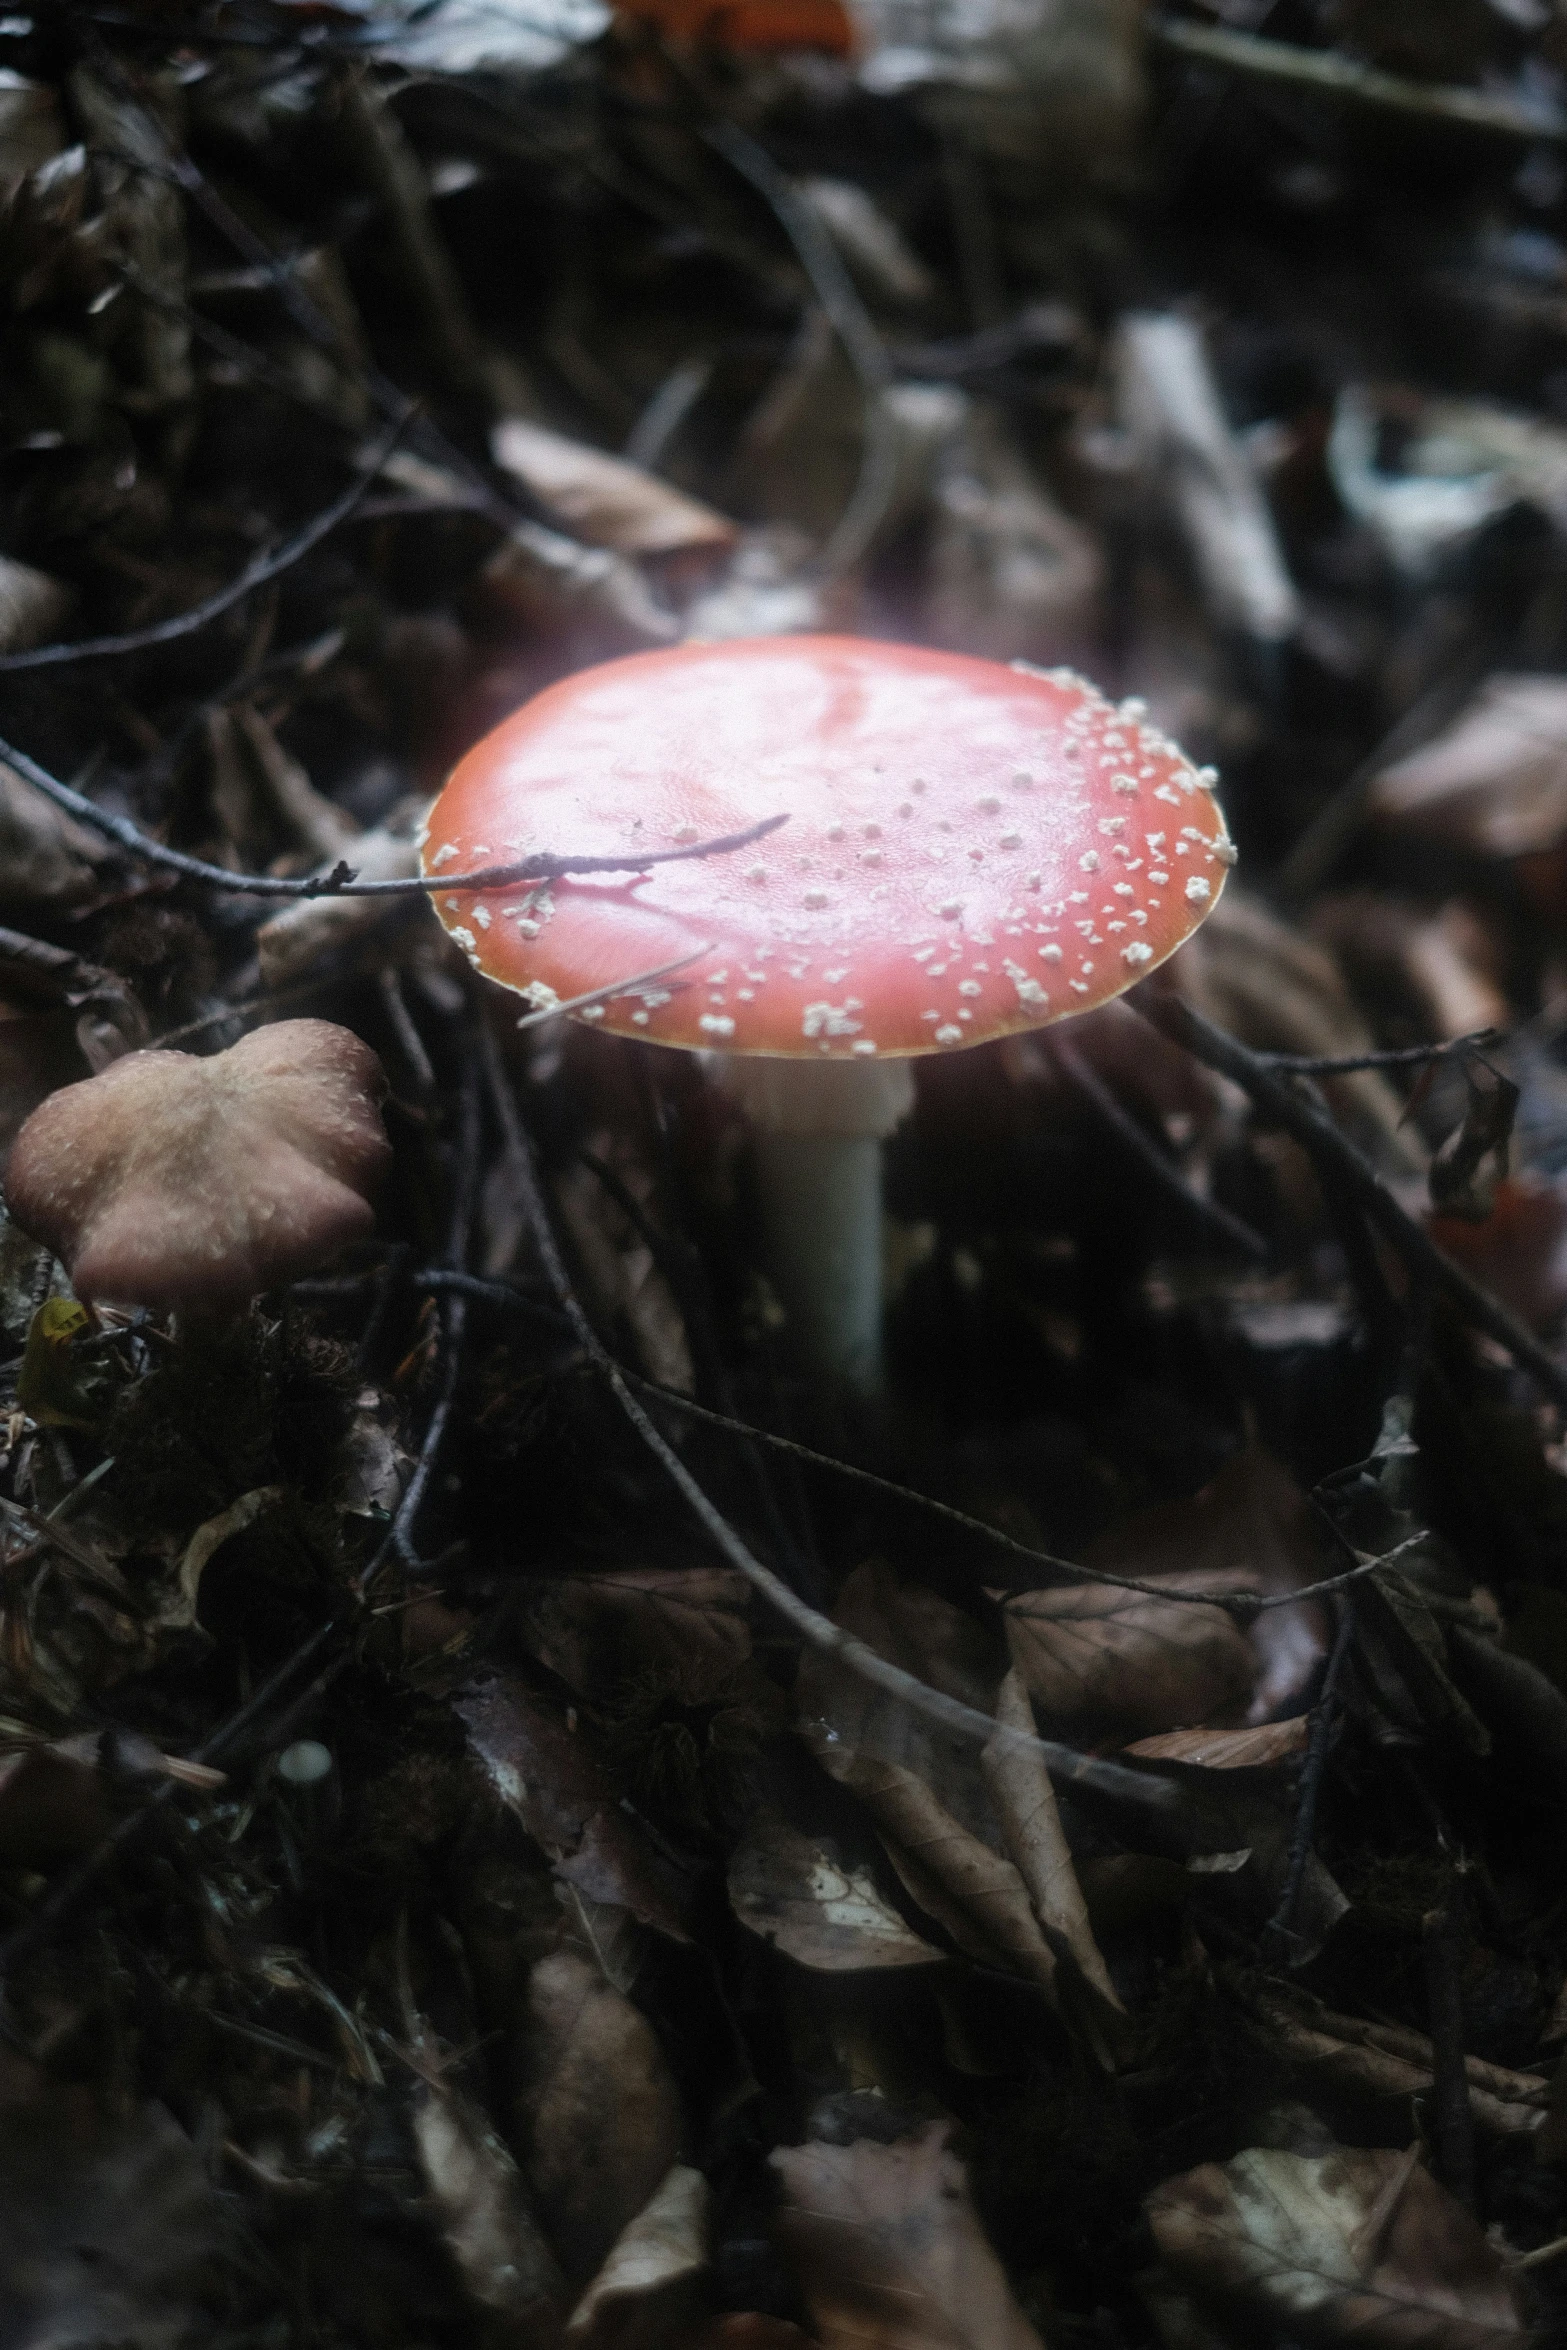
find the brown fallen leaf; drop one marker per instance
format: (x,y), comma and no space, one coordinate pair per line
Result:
(1389,2060)
(749,2330)
(603,499)
(46,858)
(551,1776)
(890,2253)
(935,1813)
(595,2106)
(1361,2244)
(1009,571)
(487,2221)
(818,1911)
(1031,1825)
(600,1631)
(1229,1750)
(1093,1654)
(641,2298)
(1444,969)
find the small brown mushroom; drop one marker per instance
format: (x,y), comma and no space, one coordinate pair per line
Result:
(192,1185)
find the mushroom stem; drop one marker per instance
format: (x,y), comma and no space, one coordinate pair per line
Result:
(818,1128)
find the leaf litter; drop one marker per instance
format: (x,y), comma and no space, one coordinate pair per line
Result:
(440,1899)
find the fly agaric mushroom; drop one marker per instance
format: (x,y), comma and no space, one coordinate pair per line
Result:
(192,1184)
(971,850)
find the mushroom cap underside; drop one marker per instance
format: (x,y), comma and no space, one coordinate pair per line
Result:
(971,849)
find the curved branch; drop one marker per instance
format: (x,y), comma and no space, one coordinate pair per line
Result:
(340,882)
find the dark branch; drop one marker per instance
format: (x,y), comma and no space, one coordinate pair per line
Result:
(340,882)
(1413,1056)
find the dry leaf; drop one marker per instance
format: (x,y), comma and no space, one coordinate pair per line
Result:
(889,2251)
(567,1799)
(601,1631)
(1389,2060)
(1229,1750)
(33,606)
(596,2109)
(46,858)
(1031,1824)
(487,2221)
(1360,2244)
(603,499)
(1094,1654)
(818,1911)
(644,2290)
(1443,969)
(928,1798)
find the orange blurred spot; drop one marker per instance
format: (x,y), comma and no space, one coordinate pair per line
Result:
(749,24)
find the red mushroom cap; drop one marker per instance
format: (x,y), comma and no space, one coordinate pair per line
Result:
(971,849)
(176,1182)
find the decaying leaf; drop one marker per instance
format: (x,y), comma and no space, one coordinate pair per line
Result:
(603,499)
(487,2221)
(1361,2244)
(1229,1750)
(45,857)
(596,2108)
(1031,1824)
(1389,2060)
(1010,572)
(601,1631)
(178,1613)
(1094,1654)
(816,1909)
(549,1775)
(931,1804)
(642,2296)
(889,2251)
(32,605)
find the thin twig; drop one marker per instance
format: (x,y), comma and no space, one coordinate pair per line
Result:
(340,882)
(1311,1126)
(1324,1719)
(255,574)
(1411,1056)
(1338,76)
(453,1310)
